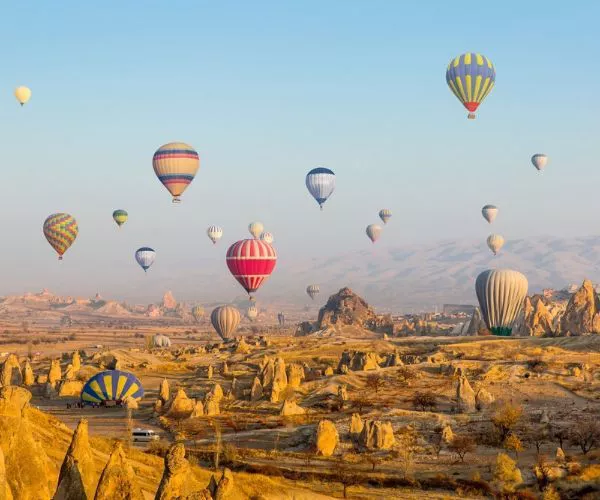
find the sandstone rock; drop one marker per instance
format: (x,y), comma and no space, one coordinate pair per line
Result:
(267,373)
(209,372)
(55,373)
(327,438)
(69,373)
(76,361)
(537,320)
(235,389)
(198,410)
(342,392)
(447,434)
(465,395)
(476,323)
(131,403)
(581,315)
(560,455)
(393,359)
(180,406)
(343,369)
(280,381)
(164,391)
(41,379)
(358,361)
(225,368)
(212,486)
(544,417)
(48,390)
(28,378)
(225,486)
(77,478)
(70,388)
(11,371)
(5,492)
(13,400)
(242,347)
(295,375)
(328,371)
(158,406)
(290,408)
(256,392)
(575,371)
(356,426)
(169,301)
(217,392)
(118,480)
(178,481)
(211,405)
(377,435)
(483,398)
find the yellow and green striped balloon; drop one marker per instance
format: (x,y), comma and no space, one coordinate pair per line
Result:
(60,230)
(120,217)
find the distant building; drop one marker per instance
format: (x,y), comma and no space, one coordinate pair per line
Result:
(451,309)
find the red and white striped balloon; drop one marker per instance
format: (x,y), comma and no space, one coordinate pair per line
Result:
(251,262)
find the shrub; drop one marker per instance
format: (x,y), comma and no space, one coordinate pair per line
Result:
(424,401)
(461,445)
(506,473)
(505,418)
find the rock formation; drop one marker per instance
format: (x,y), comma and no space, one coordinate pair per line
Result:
(169,302)
(483,399)
(447,434)
(356,426)
(393,359)
(327,438)
(536,318)
(76,361)
(225,368)
(280,380)
(465,395)
(476,323)
(347,308)
(342,392)
(328,371)
(69,388)
(290,408)
(256,392)
(242,347)
(165,391)
(198,410)
(77,478)
(69,373)
(180,406)
(11,371)
(209,372)
(267,373)
(55,373)
(358,361)
(28,377)
(118,480)
(377,435)
(5,493)
(211,405)
(581,315)
(178,482)
(217,392)
(223,489)
(295,375)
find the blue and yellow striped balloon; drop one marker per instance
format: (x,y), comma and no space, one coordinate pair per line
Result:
(175,164)
(471,78)
(111,385)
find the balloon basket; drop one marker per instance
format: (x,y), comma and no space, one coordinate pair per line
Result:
(60,257)
(176,200)
(471,116)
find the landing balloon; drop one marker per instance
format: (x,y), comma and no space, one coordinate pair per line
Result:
(471,78)
(251,262)
(495,242)
(175,164)
(385,215)
(60,230)
(539,161)
(22,94)
(374,232)
(501,293)
(256,229)
(225,320)
(120,217)
(215,233)
(320,183)
(267,237)
(252,312)
(313,291)
(489,212)
(145,257)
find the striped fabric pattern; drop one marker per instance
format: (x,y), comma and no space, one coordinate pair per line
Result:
(251,262)
(225,320)
(320,183)
(175,164)
(112,385)
(215,233)
(60,230)
(267,237)
(489,212)
(471,78)
(145,257)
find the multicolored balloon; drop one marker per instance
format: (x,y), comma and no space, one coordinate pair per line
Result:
(501,294)
(22,94)
(60,230)
(313,291)
(145,257)
(215,233)
(374,232)
(539,160)
(266,237)
(198,312)
(175,164)
(251,262)
(489,212)
(225,320)
(112,385)
(471,78)
(120,217)
(320,183)
(255,229)
(252,312)
(385,215)
(495,242)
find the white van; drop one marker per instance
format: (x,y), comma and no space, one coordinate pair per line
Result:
(144,435)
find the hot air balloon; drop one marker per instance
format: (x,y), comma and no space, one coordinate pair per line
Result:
(539,161)
(215,233)
(120,217)
(113,386)
(175,164)
(60,230)
(320,183)
(251,262)
(385,215)
(145,257)
(225,320)
(471,78)
(281,319)
(313,291)
(267,237)
(252,312)
(374,232)
(489,212)
(23,94)
(495,242)
(255,229)
(501,293)
(198,313)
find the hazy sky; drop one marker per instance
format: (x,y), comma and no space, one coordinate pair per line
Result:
(266,91)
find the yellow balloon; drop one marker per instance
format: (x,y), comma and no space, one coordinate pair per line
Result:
(23,94)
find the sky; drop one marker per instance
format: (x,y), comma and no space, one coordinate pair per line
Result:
(265,91)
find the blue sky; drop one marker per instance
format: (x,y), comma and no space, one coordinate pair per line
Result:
(265,91)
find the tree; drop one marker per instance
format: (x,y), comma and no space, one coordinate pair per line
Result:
(586,435)
(506,473)
(374,460)
(424,400)
(513,443)
(505,418)
(538,436)
(542,471)
(406,374)
(375,382)
(437,442)
(461,445)
(343,474)
(560,434)
(360,401)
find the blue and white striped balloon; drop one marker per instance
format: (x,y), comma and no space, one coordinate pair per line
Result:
(320,183)
(145,257)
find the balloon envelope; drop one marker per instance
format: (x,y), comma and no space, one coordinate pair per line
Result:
(112,385)
(495,242)
(489,212)
(255,229)
(501,293)
(198,312)
(252,312)
(320,183)
(175,164)
(60,230)
(539,161)
(215,233)
(145,257)
(23,94)
(471,77)
(385,215)
(374,232)
(225,320)
(120,217)
(251,262)
(313,291)
(266,237)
